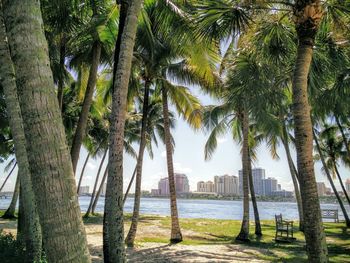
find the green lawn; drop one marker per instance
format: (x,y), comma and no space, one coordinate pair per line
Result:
(223,232)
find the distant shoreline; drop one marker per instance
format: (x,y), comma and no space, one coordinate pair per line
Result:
(323,199)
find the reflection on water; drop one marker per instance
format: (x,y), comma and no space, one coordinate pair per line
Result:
(215,209)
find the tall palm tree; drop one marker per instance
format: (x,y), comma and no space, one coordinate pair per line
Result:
(329,177)
(113,228)
(48,157)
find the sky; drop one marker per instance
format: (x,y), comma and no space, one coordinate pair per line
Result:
(189,159)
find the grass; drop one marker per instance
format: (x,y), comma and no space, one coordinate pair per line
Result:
(223,232)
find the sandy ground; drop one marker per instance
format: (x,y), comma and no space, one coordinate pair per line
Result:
(160,252)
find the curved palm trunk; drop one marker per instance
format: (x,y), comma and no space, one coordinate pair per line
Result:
(252,196)
(51,171)
(307,15)
(176,235)
(341,181)
(8,176)
(113,223)
(10,212)
(28,221)
(345,140)
(87,214)
(99,190)
(244,233)
(130,238)
(82,173)
(84,115)
(329,177)
(129,186)
(294,175)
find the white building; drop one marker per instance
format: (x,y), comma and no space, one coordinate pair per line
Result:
(258,175)
(83,190)
(321,189)
(226,185)
(205,187)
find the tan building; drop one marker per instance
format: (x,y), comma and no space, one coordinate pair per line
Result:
(83,190)
(226,185)
(205,187)
(347,185)
(321,189)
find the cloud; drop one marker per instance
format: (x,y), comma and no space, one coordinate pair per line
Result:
(180,169)
(221,140)
(91,166)
(163,154)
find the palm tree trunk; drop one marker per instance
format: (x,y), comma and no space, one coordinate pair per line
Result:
(82,173)
(87,214)
(62,70)
(99,190)
(254,203)
(341,182)
(329,177)
(129,186)
(51,171)
(113,223)
(294,175)
(10,212)
(176,235)
(307,18)
(244,233)
(130,238)
(84,115)
(28,221)
(345,140)
(8,176)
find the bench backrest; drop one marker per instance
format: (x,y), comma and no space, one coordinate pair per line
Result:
(278,219)
(329,212)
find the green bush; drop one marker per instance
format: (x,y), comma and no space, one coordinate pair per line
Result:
(11,251)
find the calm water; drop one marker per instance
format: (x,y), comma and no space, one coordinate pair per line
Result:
(214,209)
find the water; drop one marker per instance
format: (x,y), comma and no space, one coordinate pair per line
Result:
(193,208)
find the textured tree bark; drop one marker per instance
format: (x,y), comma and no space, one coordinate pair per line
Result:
(130,238)
(244,233)
(84,115)
(10,212)
(50,166)
(329,177)
(294,175)
(28,221)
(99,190)
(113,223)
(87,214)
(252,196)
(82,173)
(176,235)
(8,176)
(129,186)
(307,16)
(60,87)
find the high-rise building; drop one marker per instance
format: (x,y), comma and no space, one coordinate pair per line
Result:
(226,184)
(181,184)
(258,177)
(83,190)
(104,188)
(205,187)
(347,185)
(321,189)
(269,186)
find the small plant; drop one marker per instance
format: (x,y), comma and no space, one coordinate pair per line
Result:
(11,251)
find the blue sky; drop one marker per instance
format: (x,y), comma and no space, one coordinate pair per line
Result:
(189,159)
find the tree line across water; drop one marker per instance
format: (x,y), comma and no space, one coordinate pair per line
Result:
(102,75)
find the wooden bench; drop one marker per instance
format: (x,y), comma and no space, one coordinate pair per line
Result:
(330,214)
(284,229)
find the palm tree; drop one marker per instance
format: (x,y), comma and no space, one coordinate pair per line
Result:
(48,156)
(332,146)
(113,228)
(32,229)
(329,177)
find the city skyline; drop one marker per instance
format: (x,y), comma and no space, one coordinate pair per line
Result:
(189,158)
